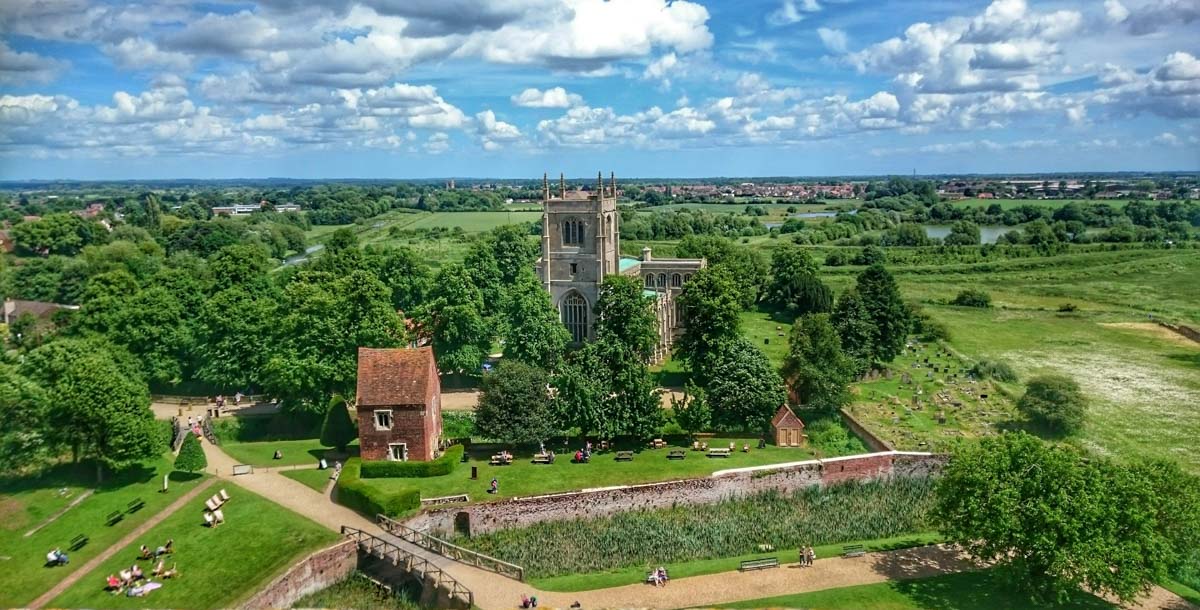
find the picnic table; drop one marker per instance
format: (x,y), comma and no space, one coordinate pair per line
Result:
(501,459)
(624,456)
(719,452)
(543,458)
(676,454)
(658,443)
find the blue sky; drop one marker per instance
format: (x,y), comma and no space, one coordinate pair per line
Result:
(511,88)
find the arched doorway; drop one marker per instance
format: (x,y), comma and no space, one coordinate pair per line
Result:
(462,523)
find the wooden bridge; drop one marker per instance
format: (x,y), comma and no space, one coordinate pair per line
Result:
(452,551)
(437,582)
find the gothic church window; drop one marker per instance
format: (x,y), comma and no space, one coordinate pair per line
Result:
(572,232)
(649,280)
(676,280)
(662,280)
(575,316)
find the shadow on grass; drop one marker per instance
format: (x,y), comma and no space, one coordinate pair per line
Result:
(179,476)
(82,474)
(988,589)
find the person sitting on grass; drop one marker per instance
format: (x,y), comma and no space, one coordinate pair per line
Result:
(144,552)
(172,573)
(158,568)
(136,572)
(495,486)
(113,583)
(126,577)
(578,457)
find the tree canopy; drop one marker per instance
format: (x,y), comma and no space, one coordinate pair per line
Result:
(1054,401)
(743,389)
(711,308)
(514,404)
(816,369)
(888,314)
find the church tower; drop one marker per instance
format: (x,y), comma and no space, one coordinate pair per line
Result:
(580,245)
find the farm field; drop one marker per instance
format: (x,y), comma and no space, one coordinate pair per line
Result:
(28,502)
(642,538)
(1009,204)
(219,566)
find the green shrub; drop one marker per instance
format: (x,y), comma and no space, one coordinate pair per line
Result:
(458,424)
(442,466)
(1056,402)
(832,438)
(166,434)
(191,456)
(338,429)
(994,369)
(972,298)
(352,492)
(1068,308)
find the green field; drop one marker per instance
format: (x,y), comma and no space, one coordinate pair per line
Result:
(295,452)
(26,503)
(1009,204)
(524,478)
(962,591)
(219,566)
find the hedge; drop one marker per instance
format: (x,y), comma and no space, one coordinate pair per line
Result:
(352,492)
(436,468)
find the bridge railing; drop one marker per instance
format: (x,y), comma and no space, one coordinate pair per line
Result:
(419,566)
(453,551)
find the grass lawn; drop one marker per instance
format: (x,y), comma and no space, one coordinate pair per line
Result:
(524,478)
(295,452)
(25,503)
(961,591)
(314,478)
(219,566)
(1183,591)
(625,576)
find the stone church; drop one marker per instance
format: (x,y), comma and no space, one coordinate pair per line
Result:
(581,243)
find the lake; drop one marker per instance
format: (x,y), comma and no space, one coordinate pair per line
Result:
(987,235)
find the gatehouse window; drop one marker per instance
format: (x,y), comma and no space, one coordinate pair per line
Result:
(574,268)
(398,452)
(649,280)
(383,419)
(662,280)
(575,316)
(676,280)
(687,276)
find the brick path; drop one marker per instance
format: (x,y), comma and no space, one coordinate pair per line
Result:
(129,538)
(493,591)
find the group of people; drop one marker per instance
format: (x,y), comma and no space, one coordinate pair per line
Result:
(57,557)
(133,582)
(807,555)
(528,602)
(584,455)
(659,577)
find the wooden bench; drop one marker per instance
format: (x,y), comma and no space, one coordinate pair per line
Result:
(543,458)
(624,456)
(676,454)
(114,518)
(78,542)
(718,452)
(758,564)
(135,506)
(853,550)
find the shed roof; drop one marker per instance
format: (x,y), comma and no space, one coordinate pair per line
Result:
(785,418)
(395,376)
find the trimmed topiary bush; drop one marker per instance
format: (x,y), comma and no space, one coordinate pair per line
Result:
(442,466)
(191,455)
(353,493)
(338,429)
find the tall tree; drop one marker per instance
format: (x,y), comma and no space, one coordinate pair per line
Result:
(743,388)
(1054,522)
(514,404)
(402,270)
(100,411)
(881,297)
(624,316)
(794,284)
(710,307)
(816,369)
(454,314)
(748,266)
(25,426)
(855,329)
(582,388)
(231,350)
(532,331)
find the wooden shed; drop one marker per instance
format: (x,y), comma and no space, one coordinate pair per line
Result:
(789,430)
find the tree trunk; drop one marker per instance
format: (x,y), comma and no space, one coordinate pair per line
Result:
(99,473)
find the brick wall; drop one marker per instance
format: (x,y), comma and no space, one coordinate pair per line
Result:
(313,573)
(785,478)
(874,443)
(410,425)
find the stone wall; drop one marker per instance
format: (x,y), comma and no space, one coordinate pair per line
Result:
(589,503)
(313,573)
(874,443)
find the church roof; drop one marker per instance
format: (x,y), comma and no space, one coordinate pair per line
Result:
(398,376)
(628,263)
(785,418)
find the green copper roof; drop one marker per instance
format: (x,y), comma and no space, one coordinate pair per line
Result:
(629,263)
(650,293)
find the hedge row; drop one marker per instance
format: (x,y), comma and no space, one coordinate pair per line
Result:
(369,500)
(436,468)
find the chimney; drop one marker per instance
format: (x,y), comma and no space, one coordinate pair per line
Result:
(646,254)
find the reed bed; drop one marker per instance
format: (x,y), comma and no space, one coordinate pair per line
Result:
(839,513)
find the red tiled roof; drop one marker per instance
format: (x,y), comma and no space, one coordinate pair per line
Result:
(396,376)
(785,418)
